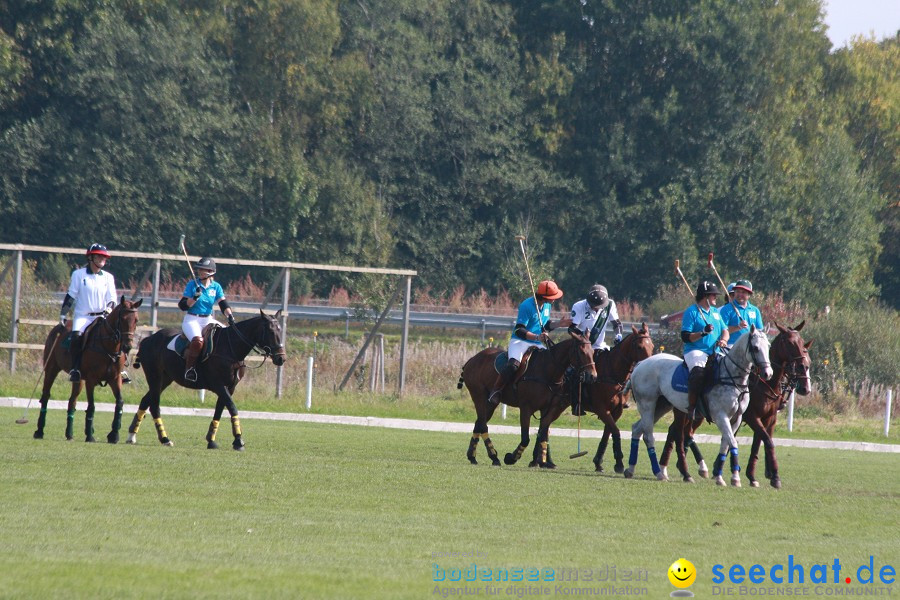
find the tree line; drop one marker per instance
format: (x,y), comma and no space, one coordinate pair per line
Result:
(618,136)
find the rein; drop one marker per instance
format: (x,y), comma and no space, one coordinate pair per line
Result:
(117,337)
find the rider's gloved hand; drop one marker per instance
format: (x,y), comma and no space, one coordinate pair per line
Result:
(707,329)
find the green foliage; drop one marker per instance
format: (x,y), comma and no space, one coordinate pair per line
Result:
(854,347)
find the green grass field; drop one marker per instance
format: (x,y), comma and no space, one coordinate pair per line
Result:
(317,511)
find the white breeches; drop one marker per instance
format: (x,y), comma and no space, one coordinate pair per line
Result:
(193,325)
(518,347)
(695,358)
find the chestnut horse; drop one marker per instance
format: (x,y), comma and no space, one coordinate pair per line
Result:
(540,388)
(106,344)
(789,357)
(790,361)
(220,373)
(605,397)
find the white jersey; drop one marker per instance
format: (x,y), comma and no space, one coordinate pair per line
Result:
(92,291)
(584,318)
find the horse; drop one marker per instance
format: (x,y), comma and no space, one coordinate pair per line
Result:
(790,362)
(682,425)
(220,372)
(789,357)
(605,396)
(727,399)
(540,388)
(106,344)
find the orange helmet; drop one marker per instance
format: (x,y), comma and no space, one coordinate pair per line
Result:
(549,290)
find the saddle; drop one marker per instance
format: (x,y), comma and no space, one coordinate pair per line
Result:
(710,378)
(179,343)
(503,358)
(66,342)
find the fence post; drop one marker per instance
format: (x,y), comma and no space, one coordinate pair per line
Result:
(14,326)
(887,412)
(154,294)
(285,291)
(404,336)
(309,382)
(791,412)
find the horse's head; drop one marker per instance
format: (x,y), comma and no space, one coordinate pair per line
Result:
(270,340)
(790,353)
(757,346)
(123,321)
(638,345)
(581,356)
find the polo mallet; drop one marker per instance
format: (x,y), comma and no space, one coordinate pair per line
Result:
(709,262)
(521,239)
(184,251)
(24,418)
(686,284)
(580,453)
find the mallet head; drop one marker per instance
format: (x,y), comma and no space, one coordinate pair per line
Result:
(181,242)
(709,259)
(521,238)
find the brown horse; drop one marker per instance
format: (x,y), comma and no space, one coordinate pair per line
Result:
(106,344)
(540,388)
(790,362)
(220,372)
(605,397)
(790,370)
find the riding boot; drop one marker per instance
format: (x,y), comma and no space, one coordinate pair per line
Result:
(75,347)
(503,379)
(125,377)
(575,392)
(190,358)
(695,388)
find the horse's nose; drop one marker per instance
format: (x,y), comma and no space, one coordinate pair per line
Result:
(278,360)
(587,377)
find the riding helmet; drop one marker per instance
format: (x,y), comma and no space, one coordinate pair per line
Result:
(598,297)
(706,288)
(206,263)
(98,249)
(549,290)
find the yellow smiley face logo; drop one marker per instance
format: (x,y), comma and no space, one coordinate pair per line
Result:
(682,573)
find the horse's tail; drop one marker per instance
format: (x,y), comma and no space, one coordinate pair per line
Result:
(49,344)
(137,357)
(462,373)
(459,383)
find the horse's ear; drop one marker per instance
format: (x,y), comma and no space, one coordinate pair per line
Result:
(261,313)
(122,299)
(634,329)
(808,344)
(780,328)
(800,326)
(644,328)
(138,303)
(278,314)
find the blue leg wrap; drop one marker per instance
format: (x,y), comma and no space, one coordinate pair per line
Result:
(735,466)
(654,463)
(720,462)
(632,458)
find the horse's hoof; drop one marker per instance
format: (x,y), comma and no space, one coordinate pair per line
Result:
(167,442)
(719,480)
(533,464)
(495,463)
(736,482)
(510,458)
(131,439)
(598,467)
(776,483)
(661,476)
(704,473)
(548,465)
(212,446)
(38,435)
(472,460)
(69,438)
(664,471)
(754,483)
(629,473)
(90,439)
(620,468)
(238,448)
(112,438)
(688,479)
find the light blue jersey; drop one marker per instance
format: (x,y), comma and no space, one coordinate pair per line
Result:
(694,320)
(528,316)
(732,318)
(209,295)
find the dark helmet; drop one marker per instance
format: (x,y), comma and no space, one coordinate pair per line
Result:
(98,249)
(706,288)
(598,297)
(206,263)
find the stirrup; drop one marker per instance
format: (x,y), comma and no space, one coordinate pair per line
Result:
(125,377)
(74,375)
(191,375)
(494,398)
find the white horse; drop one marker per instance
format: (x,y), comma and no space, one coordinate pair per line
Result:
(651,381)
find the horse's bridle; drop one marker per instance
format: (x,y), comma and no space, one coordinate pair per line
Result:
(755,352)
(126,339)
(264,350)
(794,369)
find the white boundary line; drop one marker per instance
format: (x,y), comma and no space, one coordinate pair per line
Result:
(443,426)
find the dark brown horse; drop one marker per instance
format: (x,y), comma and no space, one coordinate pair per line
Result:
(220,373)
(106,344)
(605,397)
(790,362)
(789,356)
(539,389)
